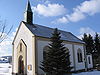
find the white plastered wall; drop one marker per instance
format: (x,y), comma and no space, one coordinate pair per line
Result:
(91,63)
(41,44)
(26,36)
(69,46)
(79,65)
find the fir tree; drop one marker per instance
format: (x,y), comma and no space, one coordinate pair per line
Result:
(91,44)
(85,37)
(57,61)
(88,39)
(97,44)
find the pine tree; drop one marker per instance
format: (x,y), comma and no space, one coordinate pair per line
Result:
(57,61)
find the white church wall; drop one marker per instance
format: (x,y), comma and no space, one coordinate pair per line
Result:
(41,44)
(26,36)
(69,46)
(79,65)
(14,60)
(89,61)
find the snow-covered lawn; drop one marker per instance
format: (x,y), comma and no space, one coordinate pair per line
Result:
(88,73)
(6,69)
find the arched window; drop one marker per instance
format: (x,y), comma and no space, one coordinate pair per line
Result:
(45,50)
(79,55)
(20,46)
(89,60)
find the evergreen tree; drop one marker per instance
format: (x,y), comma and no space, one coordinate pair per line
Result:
(85,37)
(88,39)
(57,61)
(97,44)
(91,44)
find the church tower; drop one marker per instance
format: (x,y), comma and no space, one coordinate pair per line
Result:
(28,14)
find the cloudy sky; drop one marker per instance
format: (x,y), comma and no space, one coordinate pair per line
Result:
(76,16)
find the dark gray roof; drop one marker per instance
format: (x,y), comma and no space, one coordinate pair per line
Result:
(46,32)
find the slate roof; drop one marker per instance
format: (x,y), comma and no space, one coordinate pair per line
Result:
(46,32)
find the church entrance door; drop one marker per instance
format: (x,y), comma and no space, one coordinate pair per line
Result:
(21,65)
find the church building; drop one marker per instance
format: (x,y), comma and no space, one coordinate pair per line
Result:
(31,40)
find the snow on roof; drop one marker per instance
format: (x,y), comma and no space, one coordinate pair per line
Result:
(46,32)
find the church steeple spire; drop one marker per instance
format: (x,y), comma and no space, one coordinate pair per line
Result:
(28,7)
(28,15)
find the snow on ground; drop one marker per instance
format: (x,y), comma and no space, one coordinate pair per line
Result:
(88,73)
(5,69)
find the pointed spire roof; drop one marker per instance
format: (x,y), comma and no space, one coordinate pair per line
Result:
(28,14)
(28,7)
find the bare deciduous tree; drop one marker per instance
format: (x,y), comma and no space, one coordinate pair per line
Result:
(4,31)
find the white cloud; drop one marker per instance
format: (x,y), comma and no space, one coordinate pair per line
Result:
(86,30)
(76,16)
(50,9)
(90,7)
(47,2)
(80,36)
(61,20)
(6,45)
(80,12)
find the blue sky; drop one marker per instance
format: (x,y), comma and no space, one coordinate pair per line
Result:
(76,16)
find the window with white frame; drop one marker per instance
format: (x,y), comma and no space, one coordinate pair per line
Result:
(79,56)
(89,60)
